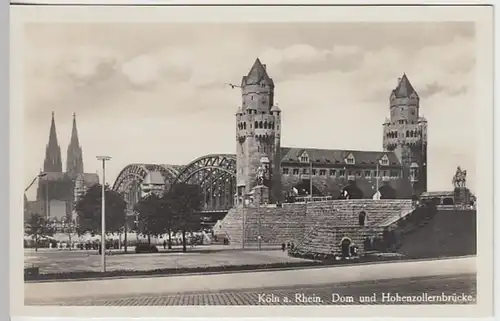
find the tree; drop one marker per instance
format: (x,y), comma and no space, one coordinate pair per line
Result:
(185,202)
(88,210)
(38,228)
(68,227)
(151,218)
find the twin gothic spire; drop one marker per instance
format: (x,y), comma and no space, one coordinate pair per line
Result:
(74,160)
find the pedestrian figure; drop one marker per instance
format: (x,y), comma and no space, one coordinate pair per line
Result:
(288,245)
(164,244)
(292,246)
(283,246)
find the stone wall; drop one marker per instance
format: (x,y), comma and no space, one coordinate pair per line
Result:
(327,238)
(448,233)
(309,225)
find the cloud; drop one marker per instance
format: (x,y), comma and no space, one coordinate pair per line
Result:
(141,70)
(332,83)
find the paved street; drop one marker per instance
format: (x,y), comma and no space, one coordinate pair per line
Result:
(168,290)
(327,294)
(54,261)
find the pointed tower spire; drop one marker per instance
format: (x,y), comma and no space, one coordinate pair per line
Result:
(52,161)
(74,159)
(404,88)
(257,89)
(257,75)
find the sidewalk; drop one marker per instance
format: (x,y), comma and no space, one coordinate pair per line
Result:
(247,280)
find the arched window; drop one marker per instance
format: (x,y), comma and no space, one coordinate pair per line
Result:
(272,125)
(362,218)
(256,124)
(265,125)
(244,125)
(407,133)
(261,124)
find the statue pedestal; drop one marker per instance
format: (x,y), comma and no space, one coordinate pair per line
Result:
(261,195)
(461,196)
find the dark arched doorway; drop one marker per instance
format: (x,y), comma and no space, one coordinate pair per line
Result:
(351,191)
(362,218)
(387,192)
(345,246)
(303,188)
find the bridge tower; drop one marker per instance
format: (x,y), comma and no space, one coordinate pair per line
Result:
(405,133)
(258,128)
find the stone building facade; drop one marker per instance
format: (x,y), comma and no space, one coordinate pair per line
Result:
(59,190)
(398,170)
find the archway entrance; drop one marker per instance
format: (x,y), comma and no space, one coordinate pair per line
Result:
(387,192)
(303,188)
(351,191)
(448,201)
(345,246)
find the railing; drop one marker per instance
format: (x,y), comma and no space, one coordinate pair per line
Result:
(307,199)
(455,207)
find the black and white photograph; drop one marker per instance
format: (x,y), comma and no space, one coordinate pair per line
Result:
(201,162)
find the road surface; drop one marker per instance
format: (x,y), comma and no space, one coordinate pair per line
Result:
(458,289)
(432,277)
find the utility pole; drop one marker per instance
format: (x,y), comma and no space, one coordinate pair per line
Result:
(47,201)
(310,179)
(103,212)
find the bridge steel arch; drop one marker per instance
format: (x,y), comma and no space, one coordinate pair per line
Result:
(216,175)
(131,177)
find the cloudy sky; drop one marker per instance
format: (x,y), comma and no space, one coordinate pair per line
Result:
(156,93)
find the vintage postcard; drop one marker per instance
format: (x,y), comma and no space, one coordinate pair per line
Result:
(323,161)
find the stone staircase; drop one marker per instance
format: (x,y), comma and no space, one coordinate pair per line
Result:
(230,227)
(303,223)
(346,212)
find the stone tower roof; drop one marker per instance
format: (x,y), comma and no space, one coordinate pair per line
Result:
(404,88)
(74,159)
(256,74)
(52,162)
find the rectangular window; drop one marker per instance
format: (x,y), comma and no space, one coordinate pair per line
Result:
(305,171)
(349,173)
(314,171)
(358,173)
(333,172)
(322,172)
(368,174)
(342,173)
(395,174)
(295,171)
(285,171)
(386,173)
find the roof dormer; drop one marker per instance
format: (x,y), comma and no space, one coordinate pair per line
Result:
(304,157)
(384,160)
(350,159)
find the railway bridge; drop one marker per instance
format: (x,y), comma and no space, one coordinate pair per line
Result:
(215,174)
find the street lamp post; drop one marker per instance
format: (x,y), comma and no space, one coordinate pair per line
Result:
(46,191)
(103,212)
(33,181)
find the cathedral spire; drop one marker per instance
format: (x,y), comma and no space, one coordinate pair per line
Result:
(52,161)
(74,160)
